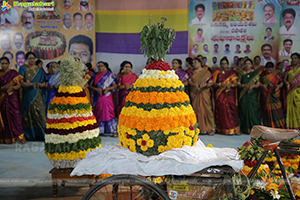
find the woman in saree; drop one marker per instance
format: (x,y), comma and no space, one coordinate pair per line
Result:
(227,113)
(189,65)
(200,92)
(272,82)
(52,84)
(257,67)
(102,85)
(292,81)
(183,76)
(33,99)
(11,129)
(249,84)
(125,83)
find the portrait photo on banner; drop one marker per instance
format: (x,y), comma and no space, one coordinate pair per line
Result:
(43,27)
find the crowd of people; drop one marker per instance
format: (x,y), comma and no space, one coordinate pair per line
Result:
(226,100)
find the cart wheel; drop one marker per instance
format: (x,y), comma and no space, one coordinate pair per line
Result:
(125,187)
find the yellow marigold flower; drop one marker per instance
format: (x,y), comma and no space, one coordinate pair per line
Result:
(295,166)
(161,149)
(297,193)
(187,141)
(251,192)
(297,141)
(145,142)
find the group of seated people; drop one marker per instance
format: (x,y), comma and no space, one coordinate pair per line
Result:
(226,100)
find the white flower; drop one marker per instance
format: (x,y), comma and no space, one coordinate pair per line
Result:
(142,76)
(144,71)
(71,138)
(260,184)
(275,195)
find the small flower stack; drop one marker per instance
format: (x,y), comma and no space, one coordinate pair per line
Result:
(71,129)
(157,115)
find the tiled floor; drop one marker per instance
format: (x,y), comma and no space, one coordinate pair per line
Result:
(24,169)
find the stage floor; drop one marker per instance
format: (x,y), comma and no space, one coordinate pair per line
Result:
(24,169)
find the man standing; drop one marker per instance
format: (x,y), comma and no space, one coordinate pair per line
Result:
(89,21)
(10,16)
(266,51)
(84,5)
(81,46)
(78,21)
(18,40)
(288,19)
(27,20)
(269,11)
(67,19)
(287,46)
(200,19)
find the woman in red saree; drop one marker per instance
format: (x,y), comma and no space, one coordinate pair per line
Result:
(200,92)
(125,83)
(292,80)
(271,105)
(11,129)
(227,113)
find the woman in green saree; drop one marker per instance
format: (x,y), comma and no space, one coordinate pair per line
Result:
(292,80)
(33,101)
(249,84)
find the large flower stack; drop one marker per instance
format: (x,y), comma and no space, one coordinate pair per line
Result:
(71,129)
(157,115)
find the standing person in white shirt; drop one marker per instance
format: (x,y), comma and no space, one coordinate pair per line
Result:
(288,19)
(200,19)
(266,51)
(287,46)
(10,16)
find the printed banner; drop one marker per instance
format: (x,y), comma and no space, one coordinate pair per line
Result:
(242,28)
(52,29)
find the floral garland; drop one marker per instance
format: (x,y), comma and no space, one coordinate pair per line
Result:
(69,156)
(70,89)
(158,74)
(157,97)
(151,82)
